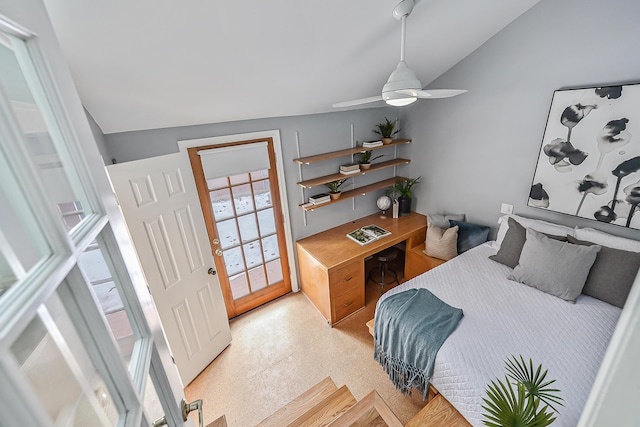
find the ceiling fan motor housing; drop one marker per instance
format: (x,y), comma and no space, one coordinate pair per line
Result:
(402,78)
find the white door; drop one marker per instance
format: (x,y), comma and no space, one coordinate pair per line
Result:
(80,340)
(159,201)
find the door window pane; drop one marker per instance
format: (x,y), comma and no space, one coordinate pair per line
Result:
(267,222)
(239,179)
(228,233)
(215,183)
(257,279)
(252,254)
(239,285)
(101,282)
(261,174)
(221,204)
(270,248)
(243,199)
(262,194)
(248,228)
(274,271)
(60,372)
(233,261)
(43,139)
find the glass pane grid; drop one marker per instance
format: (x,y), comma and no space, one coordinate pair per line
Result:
(245,224)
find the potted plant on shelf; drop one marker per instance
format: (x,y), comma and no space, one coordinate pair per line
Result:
(403,187)
(386,130)
(334,188)
(365,159)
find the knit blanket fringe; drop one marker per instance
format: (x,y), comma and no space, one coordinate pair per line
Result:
(409,329)
(403,375)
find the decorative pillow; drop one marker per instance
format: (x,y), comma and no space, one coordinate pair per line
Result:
(536,224)
(557,268)
(612,275)
(511,247)
(442,221)
(441,243)
(606,239)
(470,235)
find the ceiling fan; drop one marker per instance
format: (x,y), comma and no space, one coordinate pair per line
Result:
(403,87)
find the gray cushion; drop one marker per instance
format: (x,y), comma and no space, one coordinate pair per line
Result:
(470,235)
(612,275)
(554,267)
(442,221)
(511,246)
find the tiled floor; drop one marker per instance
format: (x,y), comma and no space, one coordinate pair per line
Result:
(282,349)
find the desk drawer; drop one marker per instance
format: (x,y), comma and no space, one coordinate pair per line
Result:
(346,278)
(347,303)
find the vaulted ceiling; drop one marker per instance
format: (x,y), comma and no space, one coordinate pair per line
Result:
(144,64)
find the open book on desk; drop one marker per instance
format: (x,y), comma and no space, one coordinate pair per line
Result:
(367,234)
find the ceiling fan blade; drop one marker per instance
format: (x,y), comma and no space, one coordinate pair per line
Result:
(357,101)
(433,94)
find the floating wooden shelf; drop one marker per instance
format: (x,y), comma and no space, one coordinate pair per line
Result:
(347,152)
(336,176)
(360,191)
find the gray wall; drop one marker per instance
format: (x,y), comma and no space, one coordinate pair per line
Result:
(479,149)
(101,141)
(317,134)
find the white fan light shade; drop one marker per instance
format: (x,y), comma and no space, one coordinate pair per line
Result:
(402,78)
(402,87)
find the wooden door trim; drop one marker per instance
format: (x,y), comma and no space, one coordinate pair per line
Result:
(246,303)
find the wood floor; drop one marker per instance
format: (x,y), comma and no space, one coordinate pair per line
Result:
(282,349)
(325,404)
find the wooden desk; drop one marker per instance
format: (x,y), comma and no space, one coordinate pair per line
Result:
(331,265)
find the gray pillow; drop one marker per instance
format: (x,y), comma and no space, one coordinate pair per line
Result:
(442,221)
(511,246)
(612,275)
(557,268)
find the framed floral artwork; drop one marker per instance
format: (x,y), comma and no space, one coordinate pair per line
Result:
(589,160)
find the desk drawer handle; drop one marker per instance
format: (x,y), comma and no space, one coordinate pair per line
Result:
(347,304)
(347,279)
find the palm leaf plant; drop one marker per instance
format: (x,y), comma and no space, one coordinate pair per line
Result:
(366,157)
(386,129)
(506,407)
(403,186)
(334,186)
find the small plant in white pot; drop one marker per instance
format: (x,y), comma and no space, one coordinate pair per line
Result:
(365,159)
(334,188)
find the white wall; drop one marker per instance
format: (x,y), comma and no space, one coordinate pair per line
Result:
(317,134)
(479,149)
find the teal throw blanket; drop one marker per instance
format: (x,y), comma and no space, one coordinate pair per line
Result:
(409,329)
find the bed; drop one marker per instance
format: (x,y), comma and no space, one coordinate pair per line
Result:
(504,318)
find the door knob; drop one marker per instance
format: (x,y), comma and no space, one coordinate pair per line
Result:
(218,252)
(216,241)
(212,272)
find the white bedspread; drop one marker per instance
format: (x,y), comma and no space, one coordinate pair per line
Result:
(504,318)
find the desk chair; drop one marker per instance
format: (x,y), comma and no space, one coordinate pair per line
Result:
(384,274)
